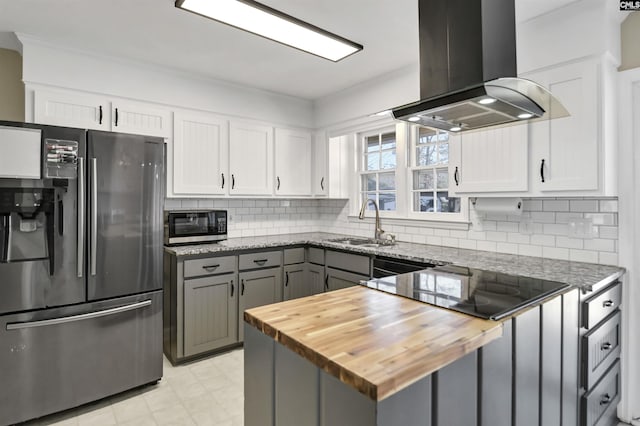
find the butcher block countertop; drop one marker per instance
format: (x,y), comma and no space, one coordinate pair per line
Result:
(374,342)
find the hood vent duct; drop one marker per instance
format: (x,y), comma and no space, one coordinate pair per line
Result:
(468,75)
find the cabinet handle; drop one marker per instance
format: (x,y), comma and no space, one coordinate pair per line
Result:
(100,114)
(260,261)
(222,180)
(278,179)
(455,177)
(233,181)
(232,288)
(542,170)
(322,183)
(241,287)
(210,268)
(286,281)
(607,303)
(116,117)
(326,281)
(606,346)
(605,399)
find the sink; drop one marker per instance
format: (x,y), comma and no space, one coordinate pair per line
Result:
(364,242)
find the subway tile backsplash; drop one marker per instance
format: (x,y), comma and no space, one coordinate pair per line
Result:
(543,230)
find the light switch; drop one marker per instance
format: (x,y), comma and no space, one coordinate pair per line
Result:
(580,228)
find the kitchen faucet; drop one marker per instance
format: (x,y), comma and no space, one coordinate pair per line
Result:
(378,232)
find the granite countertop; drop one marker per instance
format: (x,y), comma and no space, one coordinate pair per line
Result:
(377,351)
(577,274)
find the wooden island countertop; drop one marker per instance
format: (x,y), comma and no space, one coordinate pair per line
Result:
(375,342)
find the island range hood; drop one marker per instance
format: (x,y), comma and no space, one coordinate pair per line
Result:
(468,75)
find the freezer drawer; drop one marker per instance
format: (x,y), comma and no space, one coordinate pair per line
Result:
(61,358)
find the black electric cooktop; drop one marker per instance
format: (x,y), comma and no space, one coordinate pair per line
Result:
(484,294)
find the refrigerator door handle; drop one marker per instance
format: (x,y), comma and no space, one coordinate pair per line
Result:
(81,317)
(82,207)
(94,214)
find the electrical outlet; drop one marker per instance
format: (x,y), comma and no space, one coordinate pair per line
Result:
(526,225)
(580,228)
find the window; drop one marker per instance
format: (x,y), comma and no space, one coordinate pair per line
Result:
(378,169)
(430,173)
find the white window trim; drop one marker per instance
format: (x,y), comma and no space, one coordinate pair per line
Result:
(405,151)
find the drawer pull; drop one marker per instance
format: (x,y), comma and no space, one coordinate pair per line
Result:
(233,288)
(606,346)
(241,287)
(210,268)
(605,399)
(260,261)
(607,303)
(286,283)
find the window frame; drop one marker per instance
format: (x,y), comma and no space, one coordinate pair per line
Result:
(412,143)
(361,138)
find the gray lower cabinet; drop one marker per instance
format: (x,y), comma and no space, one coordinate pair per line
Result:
(210,313)
(600,351)
(295,283)
(258,288)
(315,277)
(336,279)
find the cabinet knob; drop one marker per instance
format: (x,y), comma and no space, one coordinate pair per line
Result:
(605,399)
(606,346)
(607,303)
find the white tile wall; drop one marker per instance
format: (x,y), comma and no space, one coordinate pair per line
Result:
(541,231)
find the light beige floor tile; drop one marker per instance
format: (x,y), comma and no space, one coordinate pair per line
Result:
(132,408)
(189,391)
(141,421)
(174,414)
(102,416)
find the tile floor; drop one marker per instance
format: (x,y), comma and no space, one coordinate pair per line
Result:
(205,392)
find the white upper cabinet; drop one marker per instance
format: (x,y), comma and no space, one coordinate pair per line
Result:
(319,182)
(492,160)
(567,153)
(199,155)
(76,109)
(250,158)
(339,178)
(140,119)
(293,162)
(72,109)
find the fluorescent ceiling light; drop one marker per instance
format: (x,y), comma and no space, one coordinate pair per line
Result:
(455,129)
(525,115)
(259,19)
(415,118)
(486,101)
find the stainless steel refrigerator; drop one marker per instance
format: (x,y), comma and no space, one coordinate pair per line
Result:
(80,271)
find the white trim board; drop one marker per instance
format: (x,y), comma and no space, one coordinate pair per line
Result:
(629,242)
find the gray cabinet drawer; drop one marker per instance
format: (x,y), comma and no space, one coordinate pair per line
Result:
(599,306)
(600,348)
(348,262)
(265,259)
(315,255)
(209,266)
(599,405)
(293,256)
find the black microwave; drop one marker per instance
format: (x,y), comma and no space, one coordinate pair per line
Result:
(194,226)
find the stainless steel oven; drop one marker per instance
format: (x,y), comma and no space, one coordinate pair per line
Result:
(194,226)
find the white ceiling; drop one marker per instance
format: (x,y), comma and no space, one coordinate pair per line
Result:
(154,31)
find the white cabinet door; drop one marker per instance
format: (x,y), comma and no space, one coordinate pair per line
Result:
(565,151)
(293,162)
(200,154)
(320,183)
(72,109)
(250,159)
(491,160)
(140,119)
(339,167)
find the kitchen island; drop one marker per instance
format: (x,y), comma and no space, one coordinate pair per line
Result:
(359,356)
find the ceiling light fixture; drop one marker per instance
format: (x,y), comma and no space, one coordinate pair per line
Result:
(414,119)
(525,115)
(264,21)
(455,129)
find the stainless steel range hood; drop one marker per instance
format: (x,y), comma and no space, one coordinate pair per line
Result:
(468,77)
